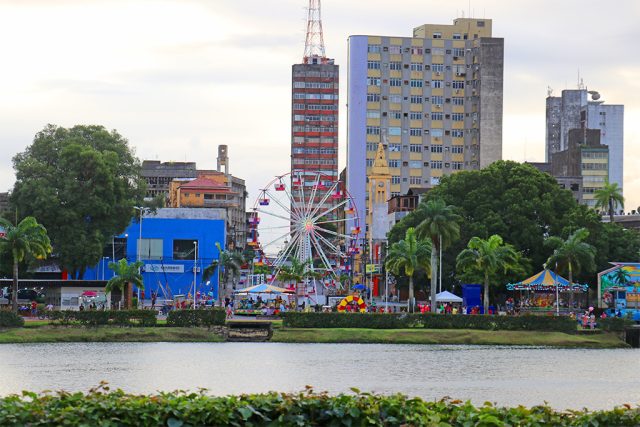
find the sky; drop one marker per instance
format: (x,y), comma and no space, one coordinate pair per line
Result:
(179,77)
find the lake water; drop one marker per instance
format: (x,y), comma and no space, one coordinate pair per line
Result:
(565,378)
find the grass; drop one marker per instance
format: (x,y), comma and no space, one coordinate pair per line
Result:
(106,334)
(447,336)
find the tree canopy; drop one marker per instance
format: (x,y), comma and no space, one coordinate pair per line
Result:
(81,183)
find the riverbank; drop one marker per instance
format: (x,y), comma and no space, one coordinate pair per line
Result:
(48,334)
(448,336)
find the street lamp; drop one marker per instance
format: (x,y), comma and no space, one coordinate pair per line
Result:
(103,258)
(195,272)
(139,256)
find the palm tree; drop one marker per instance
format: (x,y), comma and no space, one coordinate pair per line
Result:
(296,272)
(410,255)
(125,275)
(484,258)
(440,225)
(572,255)
(608,198)
(27,239)
(229,261)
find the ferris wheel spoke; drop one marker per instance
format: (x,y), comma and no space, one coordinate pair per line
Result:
(309,205)
(272,214)
(324,199)
(320,215)
(274,228)
(322,255)
(334,220)
(294,205)
(324,230)
(276,239)
(286,251)
(331,246)
(275,199)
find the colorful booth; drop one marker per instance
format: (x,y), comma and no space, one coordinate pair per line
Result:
(619,286)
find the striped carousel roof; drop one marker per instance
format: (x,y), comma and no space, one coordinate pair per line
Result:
(263,289)
(544,281)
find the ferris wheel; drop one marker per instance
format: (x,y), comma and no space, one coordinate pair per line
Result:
(306,216)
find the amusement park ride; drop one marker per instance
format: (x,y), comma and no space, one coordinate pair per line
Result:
(306,216)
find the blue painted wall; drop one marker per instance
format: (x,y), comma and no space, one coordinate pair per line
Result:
(204,231)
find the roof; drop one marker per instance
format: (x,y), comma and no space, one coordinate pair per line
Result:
(205,184)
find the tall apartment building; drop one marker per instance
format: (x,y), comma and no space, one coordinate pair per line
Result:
(583,109)
(159,175)
(434,100)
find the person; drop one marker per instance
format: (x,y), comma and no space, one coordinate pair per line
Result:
(49,307)
(592,321)
(34,309)
(81,308)
(154,297)
(229,311)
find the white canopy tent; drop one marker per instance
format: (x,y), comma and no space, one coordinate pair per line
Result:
(447,296)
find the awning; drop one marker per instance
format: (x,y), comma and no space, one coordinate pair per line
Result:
(263,289)
(447,296)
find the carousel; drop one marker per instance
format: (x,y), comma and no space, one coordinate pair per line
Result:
(540,292)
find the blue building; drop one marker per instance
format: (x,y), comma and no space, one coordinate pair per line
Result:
(174,242)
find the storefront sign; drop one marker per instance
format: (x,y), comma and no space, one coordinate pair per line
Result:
(163,268)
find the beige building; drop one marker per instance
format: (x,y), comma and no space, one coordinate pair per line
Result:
(434,100)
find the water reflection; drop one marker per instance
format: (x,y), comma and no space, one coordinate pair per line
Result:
(506,375)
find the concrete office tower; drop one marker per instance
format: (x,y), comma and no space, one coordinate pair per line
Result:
(314,112)
(583,109)
(434,100)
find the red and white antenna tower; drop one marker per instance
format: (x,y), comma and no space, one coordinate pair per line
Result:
(314,43)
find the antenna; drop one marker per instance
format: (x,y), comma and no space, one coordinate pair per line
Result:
(314,42)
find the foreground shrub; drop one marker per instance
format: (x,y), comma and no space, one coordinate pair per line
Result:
(104,317)
(196,318)
(9,319)
(280,409)
(617,324)
(429,321)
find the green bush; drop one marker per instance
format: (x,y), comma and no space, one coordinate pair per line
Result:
(196,318)
(428,321)
(9,319)
(104,317)
(617,324)
(279,409)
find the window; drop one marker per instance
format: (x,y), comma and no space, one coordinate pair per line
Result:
(436,83)
(373,65)
(415,66)
(457,117)
(437,35)
(373,97)
(373,48)
(394,163)
(395,179)
(437,100)
(437,51)
(150,248)
(456,166)
(595,166)
(415,180)
(415,115)
(369,163)
(396,99)
(480,24)
(458,52)
(396,115)
(436,116)
(457,36)
(416,51)
(437,68)
(457,100)
(457,133)
(416,99)
(415,164)
(372,146)
(395,65)
(436,148)
(415,132)
(415,148)
(395,131)
(183,249)
(458,84)
(373,130)
(436,164)
(416,83)
(373,114)
(395,49)
(395,82)
(457,149)
(394,148)
(373,81)
(436,133)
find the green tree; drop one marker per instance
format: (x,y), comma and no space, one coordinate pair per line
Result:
(28,239)
(81,183)
(608,198)
(571,255)
(295,272)
(408,256)
(125,275)
(230,263)
(440,225)
(483,259)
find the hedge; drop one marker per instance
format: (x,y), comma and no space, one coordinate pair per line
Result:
(617,324)
(428,321)
(9,319)
(116,408)
(196,318)
(104,317)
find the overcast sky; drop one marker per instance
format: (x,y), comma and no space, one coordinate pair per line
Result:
(179,77)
